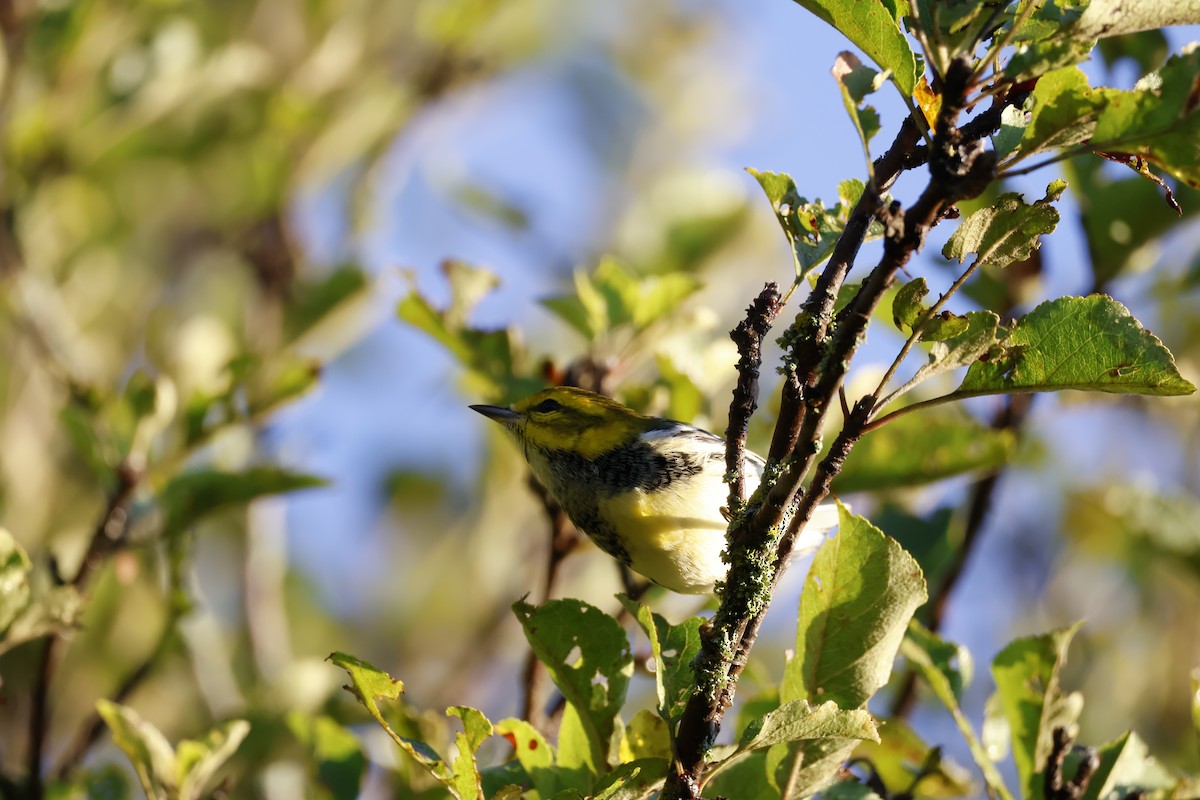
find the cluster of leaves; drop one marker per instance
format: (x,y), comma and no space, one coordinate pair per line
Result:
(855,616)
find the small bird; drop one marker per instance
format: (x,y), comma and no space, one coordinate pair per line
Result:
(648,491)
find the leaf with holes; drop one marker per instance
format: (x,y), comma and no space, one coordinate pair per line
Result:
(595,683)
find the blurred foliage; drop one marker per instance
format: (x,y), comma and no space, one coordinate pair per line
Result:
(161,303)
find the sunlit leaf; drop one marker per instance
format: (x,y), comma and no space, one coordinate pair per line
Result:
(464,768)
(595,684)
(534,753)
(14,579)
(1005,231)
(860,593)
(932,657)
(636,780)
(1127,768)
(1027,683)
(907,306)
(646,736)
(673,648)
(1158,119)
(797,720)
(370,685)
(856,81)
(315,301)
(1086,343)
(963,348)
(873,27)
(810,228)
(180,773)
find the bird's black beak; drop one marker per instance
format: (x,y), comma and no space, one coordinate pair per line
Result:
(499,413)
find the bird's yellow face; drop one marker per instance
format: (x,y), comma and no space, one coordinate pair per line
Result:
(572,420)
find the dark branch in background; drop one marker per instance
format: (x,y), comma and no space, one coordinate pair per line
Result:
(748,337)
(108,535)
(818,348)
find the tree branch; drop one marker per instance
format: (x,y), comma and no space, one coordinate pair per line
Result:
(818,349)
(748,336)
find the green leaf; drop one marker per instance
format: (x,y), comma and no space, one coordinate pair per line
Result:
(850,789)
(14,579)
(577,765)
(313,302)
(1158,119)
(339,759)
(1086,343)
(199,760)
(907,307)
(190,496)
(1013,123)
(1027,674)
(613,297)
(278,381)
(636,780)
(961,349)
(1063,112)
(646,736)
(1127,769)
(811,230)
(927,653)
(370,685)
(534,753)
(1196,701)
(1006,231)
(596,683)
(476,728)
(932,540)
(873,27)
(685,400)
(952,660)
(57,610)
(179,774)
(917,449)
(856,81)
(494,359)
(673,648)
(797,720)
(860,593)
(1039,58)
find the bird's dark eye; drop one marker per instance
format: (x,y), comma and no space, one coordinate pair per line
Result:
(546,406)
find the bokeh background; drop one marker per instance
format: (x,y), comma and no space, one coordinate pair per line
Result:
(190,185)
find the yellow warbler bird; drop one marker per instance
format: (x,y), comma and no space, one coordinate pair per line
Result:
(648,491)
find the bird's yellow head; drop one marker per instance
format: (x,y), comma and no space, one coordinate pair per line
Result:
(563,418)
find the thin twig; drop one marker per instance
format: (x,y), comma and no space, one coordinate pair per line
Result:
(109,533)
(748,336)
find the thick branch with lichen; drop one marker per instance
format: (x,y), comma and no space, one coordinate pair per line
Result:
(818,349)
